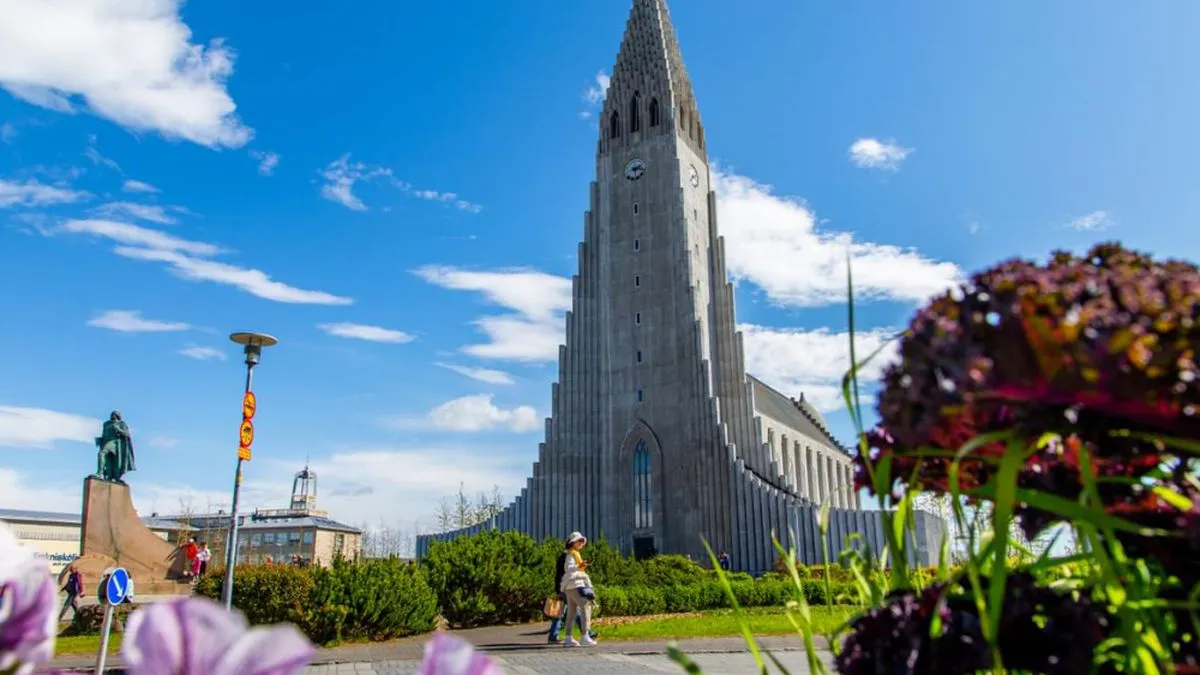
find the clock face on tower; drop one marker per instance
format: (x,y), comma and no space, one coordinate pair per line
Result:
(693,175)
(634,169)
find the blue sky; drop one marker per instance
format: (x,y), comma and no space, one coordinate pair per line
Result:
(423,168)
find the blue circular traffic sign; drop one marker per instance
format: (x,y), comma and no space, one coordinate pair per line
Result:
(116,587)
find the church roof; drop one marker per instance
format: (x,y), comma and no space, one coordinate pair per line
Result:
(650,61)
(797,414)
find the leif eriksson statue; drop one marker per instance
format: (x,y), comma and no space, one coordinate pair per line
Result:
(116,450)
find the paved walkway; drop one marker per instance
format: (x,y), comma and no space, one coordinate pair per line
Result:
(522,650)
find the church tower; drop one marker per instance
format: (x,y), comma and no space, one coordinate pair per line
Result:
(657,437)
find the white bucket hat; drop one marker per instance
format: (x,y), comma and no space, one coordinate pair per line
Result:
(574,537)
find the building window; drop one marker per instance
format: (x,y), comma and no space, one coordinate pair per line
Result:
(614,125)
(637,245)
(643,495)
(639,356)
(695,215)
(308,537)
(635,120)
(635,208)
(653,112)
(637,318)
(637,280)
(639,395)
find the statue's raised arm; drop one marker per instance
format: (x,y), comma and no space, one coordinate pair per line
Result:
(116,449)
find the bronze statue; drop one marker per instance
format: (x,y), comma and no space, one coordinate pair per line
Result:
(116,450)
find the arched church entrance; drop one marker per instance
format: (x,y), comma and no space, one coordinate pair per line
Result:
(642,496)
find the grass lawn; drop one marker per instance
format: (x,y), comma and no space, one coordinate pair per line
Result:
(85,644)
(717,623)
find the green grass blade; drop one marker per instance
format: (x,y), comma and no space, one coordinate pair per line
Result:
(682,659)
(743,624)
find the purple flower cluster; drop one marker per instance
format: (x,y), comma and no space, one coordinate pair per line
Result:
(182,636)
(937,632)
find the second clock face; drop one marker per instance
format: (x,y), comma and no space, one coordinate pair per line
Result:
(634,169)
(693,175)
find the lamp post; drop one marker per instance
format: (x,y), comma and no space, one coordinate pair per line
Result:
(252,346)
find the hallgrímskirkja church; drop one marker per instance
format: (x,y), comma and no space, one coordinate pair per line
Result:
(659,436)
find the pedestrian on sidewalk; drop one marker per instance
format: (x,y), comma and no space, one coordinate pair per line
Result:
(73,589)
(560,570)
(203,557)
(581,594)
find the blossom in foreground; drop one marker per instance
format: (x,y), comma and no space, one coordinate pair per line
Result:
(448,655)
(28,596)
(196,636)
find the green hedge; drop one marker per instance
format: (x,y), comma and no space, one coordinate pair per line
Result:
(369,600)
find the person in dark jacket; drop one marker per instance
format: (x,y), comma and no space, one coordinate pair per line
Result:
(73,589)
(560,568)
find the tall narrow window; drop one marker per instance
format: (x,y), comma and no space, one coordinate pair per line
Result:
(654,112)
(635,208)
(643,494)
(639,395)
(635,119)
(637,280)
(614,125)
(637,245)
(637,318)
(639,356)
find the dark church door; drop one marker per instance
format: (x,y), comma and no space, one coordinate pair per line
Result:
(643,547)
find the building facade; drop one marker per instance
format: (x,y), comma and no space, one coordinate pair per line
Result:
(658,438)
(56,536)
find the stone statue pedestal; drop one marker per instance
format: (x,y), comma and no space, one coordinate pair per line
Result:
(113,535)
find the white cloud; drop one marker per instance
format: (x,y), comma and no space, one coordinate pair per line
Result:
(186,259)
(39,428)
(534,331)
(8,131)
(148,212)
(871,153)
(133,235)
(448,197)
(132,63)
(267,161)
(594,95)
(358,331)
(340,177)
(202,353)
(138,186)
(18,492)
(478,413)
(33,193)
(1096,221)
(813,363)
(93,153)
(481,374)
(131,321)
(163,442)
(774,243)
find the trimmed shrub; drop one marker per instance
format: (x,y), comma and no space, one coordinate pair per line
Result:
(491,578)
(266,594)
(371,600)
(643,600)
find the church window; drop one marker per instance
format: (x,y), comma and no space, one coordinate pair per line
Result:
(614,125)
(639,356)
(643,495)
(637,245)
(637,318)
(635,120)
(654,112)
(639,395)
(682,119)
(637,280)
(635,208)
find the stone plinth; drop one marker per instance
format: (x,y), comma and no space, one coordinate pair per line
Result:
(113,535)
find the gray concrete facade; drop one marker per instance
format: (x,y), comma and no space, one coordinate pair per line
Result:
(653,364)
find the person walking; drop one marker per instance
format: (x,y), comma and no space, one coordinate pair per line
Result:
(203,557)
(73,589)
(577,586)
(560,569)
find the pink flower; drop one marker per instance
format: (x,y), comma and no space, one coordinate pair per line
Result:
(28,595)
(448,655)
(196,636)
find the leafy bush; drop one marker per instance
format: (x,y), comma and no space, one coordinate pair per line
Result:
(370,600)
(266,594)
(491,578)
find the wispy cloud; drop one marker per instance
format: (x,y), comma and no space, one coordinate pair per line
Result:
(267,161)
(448,197)
(93,153)
(151,76)
(479,413)
(201,353)
(358,331)
(485,375)
(871,153)
(340,177)
(138,186)
(8,131)
(1096,221)
(149,212)
(132,321)
(189,260)
(22,427)
(594,95)
(33,193)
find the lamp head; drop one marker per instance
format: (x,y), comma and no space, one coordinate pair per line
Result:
(252,345)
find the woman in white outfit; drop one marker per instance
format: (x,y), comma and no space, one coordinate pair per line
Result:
(577,586)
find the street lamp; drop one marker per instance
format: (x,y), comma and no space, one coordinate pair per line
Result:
(252,346)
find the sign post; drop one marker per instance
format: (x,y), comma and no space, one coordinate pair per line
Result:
(115,588)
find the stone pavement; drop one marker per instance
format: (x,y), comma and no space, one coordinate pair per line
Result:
(523,651)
